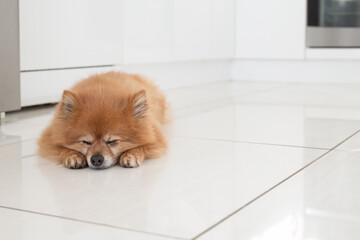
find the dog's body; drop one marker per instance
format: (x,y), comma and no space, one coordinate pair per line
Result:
(105,119)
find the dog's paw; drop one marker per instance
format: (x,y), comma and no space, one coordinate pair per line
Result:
(75,161)
(130,160)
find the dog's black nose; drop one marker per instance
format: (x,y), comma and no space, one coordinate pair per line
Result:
(97,160)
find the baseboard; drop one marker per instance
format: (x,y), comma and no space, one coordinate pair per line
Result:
(297,71)
(41,87)
(333,54)
(183,74)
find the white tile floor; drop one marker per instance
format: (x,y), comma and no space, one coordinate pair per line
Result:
(247,160)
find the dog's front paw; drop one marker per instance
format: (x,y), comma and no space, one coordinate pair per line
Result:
(74,160)
(130,159)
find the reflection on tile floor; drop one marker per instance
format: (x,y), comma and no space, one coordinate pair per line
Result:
(230,143)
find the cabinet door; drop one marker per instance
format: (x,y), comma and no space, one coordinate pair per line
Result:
(192,29)
(203,29)
(222,29)
(70,33)
(148,31)
(270,29)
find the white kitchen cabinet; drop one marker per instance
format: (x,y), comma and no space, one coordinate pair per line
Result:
(148,28)
(177,42)
(222,29)
(270,29)
(192,29)
(178,30)
(70,33)
(203,29)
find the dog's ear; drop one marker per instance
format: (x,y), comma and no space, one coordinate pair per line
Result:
(68,102)
(139,104)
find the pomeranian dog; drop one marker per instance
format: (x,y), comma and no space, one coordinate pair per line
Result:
(107,119)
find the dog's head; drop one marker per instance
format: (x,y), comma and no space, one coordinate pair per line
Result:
(103,127)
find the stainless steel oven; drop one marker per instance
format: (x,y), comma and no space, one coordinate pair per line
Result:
(333,23)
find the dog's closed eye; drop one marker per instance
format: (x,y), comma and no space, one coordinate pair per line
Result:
(86,142)
(112,142)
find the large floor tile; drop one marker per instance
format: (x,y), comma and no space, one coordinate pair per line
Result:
(353,144)
(276,117)
(209,93)
(321,202)
(19,225)
(197,183)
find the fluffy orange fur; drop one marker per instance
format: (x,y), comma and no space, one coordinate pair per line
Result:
(107,119)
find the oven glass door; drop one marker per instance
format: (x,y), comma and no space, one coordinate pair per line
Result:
(339,13)
(333,23)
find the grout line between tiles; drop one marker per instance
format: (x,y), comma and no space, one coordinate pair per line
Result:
(259,143)
(272,188)
(93,223)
